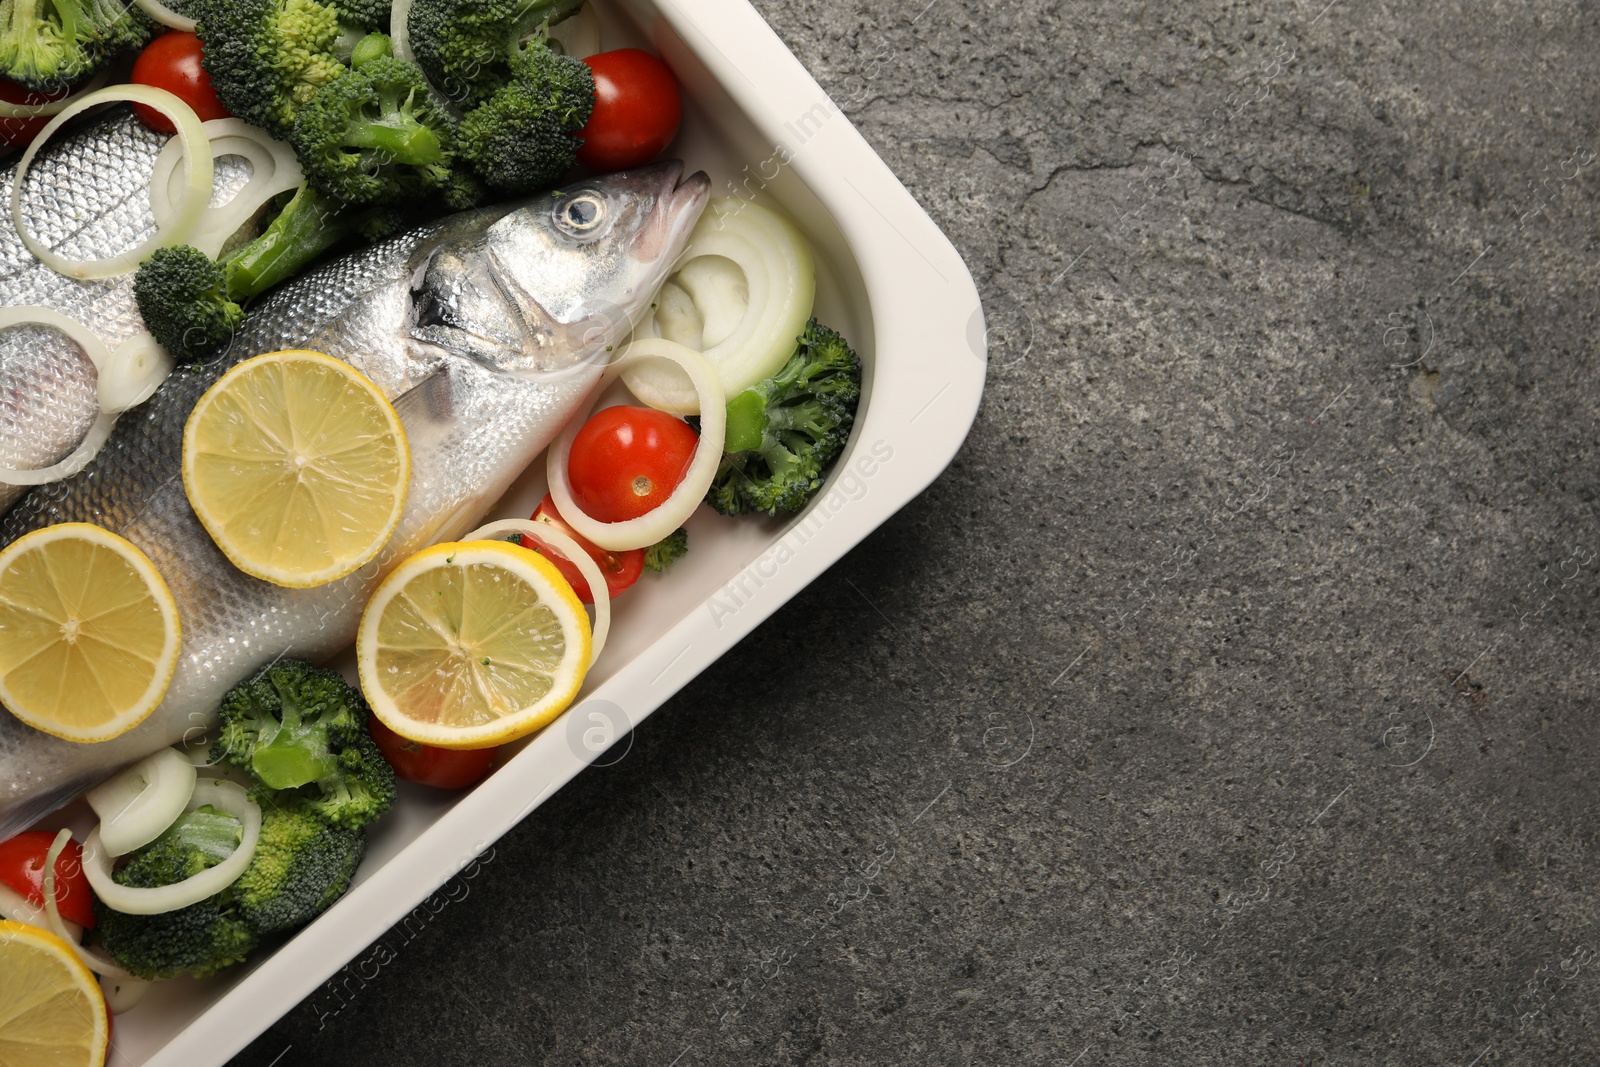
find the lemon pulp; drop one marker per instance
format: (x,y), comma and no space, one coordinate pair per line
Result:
(52,1013)
(89,632)
(297,466)
(470,645)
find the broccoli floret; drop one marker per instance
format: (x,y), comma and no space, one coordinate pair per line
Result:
(523,138)
(667,551)
(48,45)
(192,305)
(301,866)
(303,730)
(375,135)
(468,47)
(367,14)
(785,431)
(267,58)
(197,940)
(184,300)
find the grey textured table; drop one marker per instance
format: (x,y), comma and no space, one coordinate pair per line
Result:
(1231,698)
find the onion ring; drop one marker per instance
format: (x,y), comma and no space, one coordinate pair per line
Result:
(574,553)
(660,521)
(123,994)
(96,963)
(8,110)
(76,460)
(137,368)
(400,31)
(273,170)
(781,275)
(126,379)
(198,175)
(139,804)
(130,900)
(166,16)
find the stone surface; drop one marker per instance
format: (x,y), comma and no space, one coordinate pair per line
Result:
(1231,698)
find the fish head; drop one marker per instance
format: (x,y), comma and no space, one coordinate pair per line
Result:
(559,280)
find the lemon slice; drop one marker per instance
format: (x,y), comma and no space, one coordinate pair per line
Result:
(472,644)
(89,633)
(52,1013)
(297,466)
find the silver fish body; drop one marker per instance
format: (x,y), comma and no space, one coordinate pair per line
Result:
(489,329)
(86,196)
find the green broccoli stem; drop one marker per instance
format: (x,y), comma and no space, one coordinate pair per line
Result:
(214,834)
(747,422)
(308,226)
(398,136)
(372,46)
(293,754)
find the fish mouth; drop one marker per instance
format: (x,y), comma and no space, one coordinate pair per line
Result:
(682,199)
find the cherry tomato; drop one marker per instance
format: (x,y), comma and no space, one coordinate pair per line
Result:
(18,132)
(636,110)
(441,768)
(621,569)
(22,870)
(172,62)
(627,460)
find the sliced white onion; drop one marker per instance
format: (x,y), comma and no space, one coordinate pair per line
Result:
(553,538)
(660,521)
(166,16)
(78,459)
(400,31)
(224,796)
(782,284)
(58,926)
(136,370)
(196,750)
(123,994)
(19,909)
(125,379)
(8,110)
(138,805)
(578,34)
(273,170)
(677,319)
(197,172)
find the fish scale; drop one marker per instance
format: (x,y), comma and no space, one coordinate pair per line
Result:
(488,329)
(86,197)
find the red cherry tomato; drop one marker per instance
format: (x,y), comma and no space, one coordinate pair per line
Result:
(16,133)
(22,870)
(627,460)
(172,62)
(621,569)
(637,108)
(441,768)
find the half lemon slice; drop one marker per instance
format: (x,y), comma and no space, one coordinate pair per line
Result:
(472,644)
(52,1013)
(297,467)
(89,632)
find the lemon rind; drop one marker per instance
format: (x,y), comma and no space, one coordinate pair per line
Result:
(228,547)
(167,663)
(509,728)
(85,981)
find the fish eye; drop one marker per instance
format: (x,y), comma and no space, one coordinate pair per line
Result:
(580,214)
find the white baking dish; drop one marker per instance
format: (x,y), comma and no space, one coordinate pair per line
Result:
(888,279)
